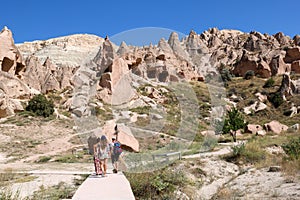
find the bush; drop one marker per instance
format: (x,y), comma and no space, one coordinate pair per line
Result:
(226,76)
(41,106)
(238,150)
(292,148)
(233,122)
(269,83)
(157,184)
(275,99)
(250,152)
(249,74)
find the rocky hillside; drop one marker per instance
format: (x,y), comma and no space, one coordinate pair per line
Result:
(68,51)
(89,67)
(162,97)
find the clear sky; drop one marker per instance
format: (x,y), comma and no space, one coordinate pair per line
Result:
(41,19)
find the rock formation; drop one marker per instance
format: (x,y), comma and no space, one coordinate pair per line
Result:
(11,60)
(107,71)
(275,127)
(69,51)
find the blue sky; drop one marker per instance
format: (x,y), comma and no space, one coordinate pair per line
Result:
(40,19)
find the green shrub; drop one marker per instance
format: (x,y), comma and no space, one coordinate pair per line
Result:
(292,148)
(269,83)
(250,152)
(238,150)
(233,122)
(41,106)
(249,74)
(275,99)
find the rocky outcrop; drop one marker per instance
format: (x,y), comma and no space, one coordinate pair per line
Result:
(292,54)
(11,60)
(12,92)
(282,39)
(254,63)
(253,128)
(295,66)
(278,66)
(287,87)
(69,51)
(86,79)
(125,135)
(123,49)
(176,46)
(275,127)
(296,40)
(40,77)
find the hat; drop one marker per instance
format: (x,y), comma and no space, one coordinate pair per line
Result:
(103,137)
(113,138)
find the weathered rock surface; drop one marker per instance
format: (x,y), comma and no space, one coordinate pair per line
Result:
(275,127)
(12,92)
(11,60)
(257,106)
(253,128)
(125,136)
(263,184)
(69,51)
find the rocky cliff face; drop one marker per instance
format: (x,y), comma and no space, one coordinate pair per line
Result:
(69,51)
(51,64)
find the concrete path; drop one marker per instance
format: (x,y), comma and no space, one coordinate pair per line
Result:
(112,187)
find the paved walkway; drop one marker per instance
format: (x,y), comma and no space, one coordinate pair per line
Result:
(112,187)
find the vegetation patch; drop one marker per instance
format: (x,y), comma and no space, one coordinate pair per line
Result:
(156,185)
(251,152)
(40,105)
(292,148)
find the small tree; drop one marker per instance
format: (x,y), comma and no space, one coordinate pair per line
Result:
(233,122)
(40,105)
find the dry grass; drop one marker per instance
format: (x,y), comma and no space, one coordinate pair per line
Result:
(291,168)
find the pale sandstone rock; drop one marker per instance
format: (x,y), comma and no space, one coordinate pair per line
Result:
(261,97)
(275,127)
(253,128)
(257,106)
(282,39)
(123,49)
(278,66)
(70,50)
(176,46)
(11,60)
(261,133)
(125,136)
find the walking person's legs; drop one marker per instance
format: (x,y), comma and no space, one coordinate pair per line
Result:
(116,163)
(101,166)
(113,161)
(104,166)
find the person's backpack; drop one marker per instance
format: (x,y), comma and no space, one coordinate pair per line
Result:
(117,148)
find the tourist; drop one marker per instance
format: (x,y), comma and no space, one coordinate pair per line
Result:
(116,151)
(103,151)
(96,159)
